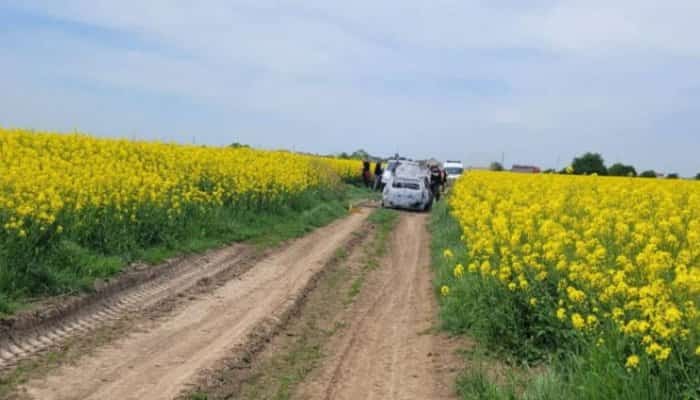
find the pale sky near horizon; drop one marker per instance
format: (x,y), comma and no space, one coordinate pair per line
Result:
(539,81)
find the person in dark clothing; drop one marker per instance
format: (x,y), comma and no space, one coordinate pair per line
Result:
(378,171)
(435,181)
(366,173)
(443,182)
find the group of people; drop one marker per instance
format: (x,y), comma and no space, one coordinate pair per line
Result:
(376,183)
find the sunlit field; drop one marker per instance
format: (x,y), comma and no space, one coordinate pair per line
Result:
(65,195)
(603,274)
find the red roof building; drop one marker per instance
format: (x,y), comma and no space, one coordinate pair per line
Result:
(528,169)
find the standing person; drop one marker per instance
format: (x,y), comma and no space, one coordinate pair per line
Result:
(435,181)
(378,171)
(443,181)
(365,173)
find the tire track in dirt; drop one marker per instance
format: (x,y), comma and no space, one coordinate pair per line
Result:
(389,350)
(185,274)
(158,363)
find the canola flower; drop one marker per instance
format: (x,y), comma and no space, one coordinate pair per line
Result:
(447,253)
(614,256)
(44,175)
(111,196)
(458,271)
(632,362)
(445,291)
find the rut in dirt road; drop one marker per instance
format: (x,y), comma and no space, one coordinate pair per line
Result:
(389,351)
(159,362)
(177,278)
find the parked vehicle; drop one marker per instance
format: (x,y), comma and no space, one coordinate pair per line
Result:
(454,170)
(409,188)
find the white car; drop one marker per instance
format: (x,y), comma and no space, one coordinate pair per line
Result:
(453,169)
(409,188)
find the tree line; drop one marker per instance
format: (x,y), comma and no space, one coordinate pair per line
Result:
(593,163)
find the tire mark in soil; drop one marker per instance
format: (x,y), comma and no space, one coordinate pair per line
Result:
(160,362)
(277,355)
(389,350)
(183,275)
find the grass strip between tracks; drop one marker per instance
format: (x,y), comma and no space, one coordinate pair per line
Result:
(384,220)
(299,348)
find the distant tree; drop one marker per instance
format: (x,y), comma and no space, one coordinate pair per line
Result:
(672,176)
(496,166)
(648,174)
(344,155)
(697,177)
(549,171)
(360,154)
(619,169)
(237,145)
(589,163)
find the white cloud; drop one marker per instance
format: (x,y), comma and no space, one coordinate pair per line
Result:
(540,80)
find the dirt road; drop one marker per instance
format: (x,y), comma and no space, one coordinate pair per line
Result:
(390,350)
(157,362)
(151,286)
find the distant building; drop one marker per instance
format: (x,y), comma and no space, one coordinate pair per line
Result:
(528,169)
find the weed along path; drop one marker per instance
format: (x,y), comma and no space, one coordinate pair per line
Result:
(158,360)
(389,349)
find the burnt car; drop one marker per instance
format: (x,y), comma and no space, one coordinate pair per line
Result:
(409,188)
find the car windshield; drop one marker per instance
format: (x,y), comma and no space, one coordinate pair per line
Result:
(454,170)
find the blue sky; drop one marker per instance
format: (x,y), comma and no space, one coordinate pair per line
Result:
(539,80)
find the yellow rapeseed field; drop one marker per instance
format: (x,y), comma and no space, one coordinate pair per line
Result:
(74,207)
(43,175)
(607,258)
